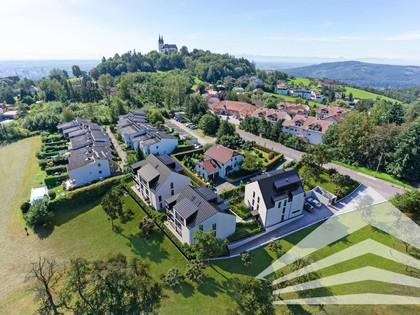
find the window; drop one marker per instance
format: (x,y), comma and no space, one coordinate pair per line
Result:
(214,226)
(172,185)
(160,198)
(258,207)
(258,199)
(157,147)
(99,164)
(200,227)
(284,203)
(100,172)
(160,206)
(253,194)
(172,192)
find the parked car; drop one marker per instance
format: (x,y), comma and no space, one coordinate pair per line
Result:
(314,202)
(189,125)
(193,127)
(308,207)
(198,146)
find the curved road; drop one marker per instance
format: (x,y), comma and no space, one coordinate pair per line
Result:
(386,189)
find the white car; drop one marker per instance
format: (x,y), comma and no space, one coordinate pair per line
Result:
(314,202)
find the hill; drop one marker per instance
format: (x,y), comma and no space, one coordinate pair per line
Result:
(362,74)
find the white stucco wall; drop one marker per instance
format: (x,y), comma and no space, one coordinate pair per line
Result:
(165,146)
(89,173)
(164,190)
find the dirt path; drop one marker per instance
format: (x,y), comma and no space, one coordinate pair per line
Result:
(121,152)
(17,168)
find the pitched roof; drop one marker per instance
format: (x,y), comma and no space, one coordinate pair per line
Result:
(209,165)
(220,153)
(308,123)
(277,184)
(240,107)
(196,205)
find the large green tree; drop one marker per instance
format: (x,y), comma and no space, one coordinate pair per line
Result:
(253,296)
(209,123)
(208,245)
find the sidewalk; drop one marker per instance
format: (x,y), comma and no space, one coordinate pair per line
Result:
(121,152)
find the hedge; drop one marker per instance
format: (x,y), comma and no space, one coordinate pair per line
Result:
(51,138)
(274,162)
(234,192)
(185,148)
(52,170)
(245,229)
(178,158)
(84,195)
(264,149)
(52,180)
(55,148)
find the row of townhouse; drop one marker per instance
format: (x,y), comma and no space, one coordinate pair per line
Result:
(136,132)
(275,197)
(303,92)
(232,108)
(90,152)
(160,182)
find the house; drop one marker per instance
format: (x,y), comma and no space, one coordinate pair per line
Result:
(277,196)
(334,114)
(239,90)
(293,109)
(132,125)
(272,115)
(282,87)
(232,108)
(89,164)
(154,142)
(218,162)
(9,115)
(309,128)
(198,209)
(158,178)
(319,98)
(302,92)
(166,48)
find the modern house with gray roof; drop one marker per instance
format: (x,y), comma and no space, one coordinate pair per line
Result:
(197,209)
(132,125)
(158,178)
(277,196)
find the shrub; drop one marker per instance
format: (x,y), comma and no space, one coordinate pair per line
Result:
(173,278)
(52,180)
(24,207)
(52,194)
(55,169)
(42,163)
(246,258)
(194,271)
(37,213)
(146,226)
(332,171)
(271,155)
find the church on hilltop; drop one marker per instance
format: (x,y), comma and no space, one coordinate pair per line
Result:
(164,48)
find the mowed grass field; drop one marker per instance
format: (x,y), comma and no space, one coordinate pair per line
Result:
(85,232)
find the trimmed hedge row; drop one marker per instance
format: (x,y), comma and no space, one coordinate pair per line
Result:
(53,179)
(245,229)
(54,169)
(51,138)
(178,158)
(85,194)
(274,161)
(185,148)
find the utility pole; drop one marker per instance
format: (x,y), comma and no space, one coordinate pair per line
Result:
(379,162)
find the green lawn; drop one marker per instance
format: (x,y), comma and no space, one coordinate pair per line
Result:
(380,175)
(357,93)
(297,81)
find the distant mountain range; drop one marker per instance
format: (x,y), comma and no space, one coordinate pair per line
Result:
(362,74)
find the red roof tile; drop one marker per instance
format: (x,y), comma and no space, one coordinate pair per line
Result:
(220,153)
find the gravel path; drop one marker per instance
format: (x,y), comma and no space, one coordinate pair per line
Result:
(121,152)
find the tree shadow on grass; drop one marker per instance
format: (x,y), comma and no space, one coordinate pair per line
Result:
(58,218)
(209,286)
(186,289)
(148,247)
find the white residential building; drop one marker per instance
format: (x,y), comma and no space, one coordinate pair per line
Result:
(219,161)
(155,143)
(158,178)
(198,209)
(311,129)
(276,196)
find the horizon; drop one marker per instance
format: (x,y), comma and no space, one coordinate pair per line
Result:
(326,30)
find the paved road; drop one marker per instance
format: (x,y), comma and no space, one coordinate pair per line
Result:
(386,189)
(121,152)
(182,129)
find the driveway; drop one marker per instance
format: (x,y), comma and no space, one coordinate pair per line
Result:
(184,130)
(121,152)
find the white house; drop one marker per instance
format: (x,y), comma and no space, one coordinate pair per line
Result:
(219,161)
(303,92)
(309,128)
(88,164)
(276,196)
(158,178)
(198,209)
(133,125)
(155,143)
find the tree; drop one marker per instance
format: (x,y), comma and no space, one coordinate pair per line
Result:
(112,205)
(113,286)
(208,245)
(67,115)
(405,158)
(47,275)
(106,82)
(24,207)
(271,102)
(408,203)
(209,123)
(230,141)
(275,247)
(75,69)
(139,154)
(194,270)
(225,128)
(155,117)
(253,296)
(246,258)
(146,226)
(174,278)
(37,213)
(251,162)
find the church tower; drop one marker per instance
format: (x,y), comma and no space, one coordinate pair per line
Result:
(160,43)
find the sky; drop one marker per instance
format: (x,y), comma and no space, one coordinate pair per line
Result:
(386,30)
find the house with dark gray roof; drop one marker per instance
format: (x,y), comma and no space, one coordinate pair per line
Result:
(198,209)
(158,178)
(90,152)
(133,125)
(276,197)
